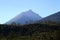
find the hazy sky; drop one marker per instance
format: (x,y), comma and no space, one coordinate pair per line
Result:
(11,8)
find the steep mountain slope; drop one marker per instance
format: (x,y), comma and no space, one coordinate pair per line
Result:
(54,17)
(25,17)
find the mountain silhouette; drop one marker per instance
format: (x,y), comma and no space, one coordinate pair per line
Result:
(54,17)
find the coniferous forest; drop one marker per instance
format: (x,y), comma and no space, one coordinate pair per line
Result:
(36,31)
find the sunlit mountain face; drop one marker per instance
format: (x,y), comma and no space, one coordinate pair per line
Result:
(25,17)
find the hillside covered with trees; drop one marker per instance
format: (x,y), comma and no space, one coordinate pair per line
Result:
(37,31)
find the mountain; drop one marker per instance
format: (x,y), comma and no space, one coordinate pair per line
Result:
(25,17)
(54,17)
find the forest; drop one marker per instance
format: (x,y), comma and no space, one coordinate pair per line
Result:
(36,31)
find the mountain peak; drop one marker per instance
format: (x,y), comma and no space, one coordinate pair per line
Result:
(30,10)
(27,16)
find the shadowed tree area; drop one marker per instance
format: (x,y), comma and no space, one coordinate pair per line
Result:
(37,31)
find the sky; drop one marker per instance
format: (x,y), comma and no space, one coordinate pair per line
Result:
(10,8)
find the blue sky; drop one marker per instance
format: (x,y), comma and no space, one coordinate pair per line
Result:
(11,8)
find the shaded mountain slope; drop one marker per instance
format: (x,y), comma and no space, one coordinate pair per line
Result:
(54,18)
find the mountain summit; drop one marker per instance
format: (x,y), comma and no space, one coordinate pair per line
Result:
(25,17)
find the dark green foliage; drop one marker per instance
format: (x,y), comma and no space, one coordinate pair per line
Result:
(29,30)
(57,35)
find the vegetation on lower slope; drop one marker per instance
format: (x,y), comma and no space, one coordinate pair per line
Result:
(37,31)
